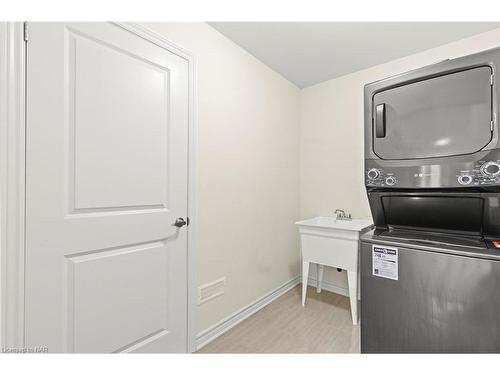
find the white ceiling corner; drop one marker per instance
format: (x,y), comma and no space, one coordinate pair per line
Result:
(307,53)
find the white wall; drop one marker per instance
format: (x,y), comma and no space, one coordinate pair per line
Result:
(248,179)
(331,134)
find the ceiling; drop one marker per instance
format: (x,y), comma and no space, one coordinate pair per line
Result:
(307,53)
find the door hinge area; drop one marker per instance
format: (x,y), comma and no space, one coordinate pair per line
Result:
(26,31)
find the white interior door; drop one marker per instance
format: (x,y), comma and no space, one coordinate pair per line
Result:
(107,143)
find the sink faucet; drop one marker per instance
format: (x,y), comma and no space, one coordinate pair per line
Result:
(341,215)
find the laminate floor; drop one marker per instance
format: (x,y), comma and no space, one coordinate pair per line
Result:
(323,326)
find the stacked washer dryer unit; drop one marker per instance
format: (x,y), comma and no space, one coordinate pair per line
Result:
(430,269)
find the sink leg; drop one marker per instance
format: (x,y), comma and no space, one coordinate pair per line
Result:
(305,278)
(319,273)
(352,280)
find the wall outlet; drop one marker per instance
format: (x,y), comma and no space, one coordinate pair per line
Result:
(211,290)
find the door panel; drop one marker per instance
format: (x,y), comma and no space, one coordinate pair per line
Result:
(111,92)
(110,280)
(442,116)
(107,136)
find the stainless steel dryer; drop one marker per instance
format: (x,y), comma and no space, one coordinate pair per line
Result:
(430,271)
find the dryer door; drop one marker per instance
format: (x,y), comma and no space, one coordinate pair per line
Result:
(441,116)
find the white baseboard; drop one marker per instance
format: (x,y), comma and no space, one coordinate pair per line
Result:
(211,333)
(330,287)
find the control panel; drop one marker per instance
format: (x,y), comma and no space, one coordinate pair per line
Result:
(482,172)
(378,177)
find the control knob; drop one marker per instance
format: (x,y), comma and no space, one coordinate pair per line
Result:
(373,173)
(490,169)
(464,179)
(390,181)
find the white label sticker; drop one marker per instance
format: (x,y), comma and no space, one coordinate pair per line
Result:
(385,262)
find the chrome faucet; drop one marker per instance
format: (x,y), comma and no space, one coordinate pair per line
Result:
(341,215)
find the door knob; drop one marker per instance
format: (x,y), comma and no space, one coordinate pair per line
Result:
(179,222)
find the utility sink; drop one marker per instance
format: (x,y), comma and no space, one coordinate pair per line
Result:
(332,242)
(328,222)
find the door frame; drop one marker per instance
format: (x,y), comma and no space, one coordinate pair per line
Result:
(13,170)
